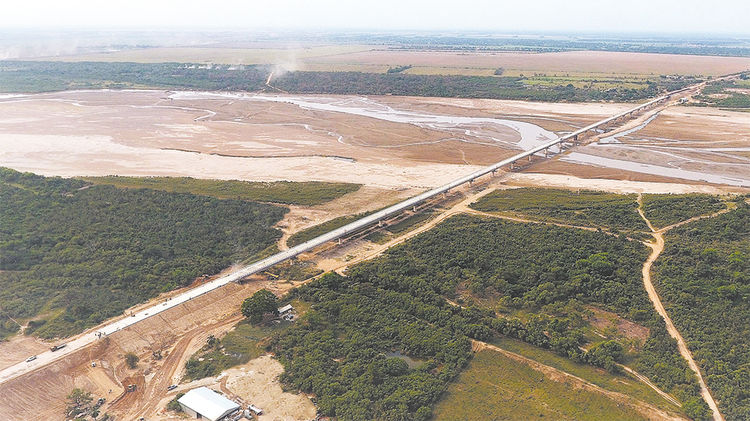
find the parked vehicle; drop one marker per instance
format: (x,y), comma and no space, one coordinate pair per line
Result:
(31,358)
(172,387)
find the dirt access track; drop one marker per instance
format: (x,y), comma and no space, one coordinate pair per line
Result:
(177,333)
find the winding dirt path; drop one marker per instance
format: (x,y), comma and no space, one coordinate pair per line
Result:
(656,249)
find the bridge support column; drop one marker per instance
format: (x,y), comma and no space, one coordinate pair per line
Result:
(513,165)
(546,152)
(529,158)
(339,241)
(380,223)
(414,208)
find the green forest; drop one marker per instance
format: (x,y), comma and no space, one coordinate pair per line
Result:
(74,254)
(703,277)
(587,208)
(308,193)
(667,209)
(45,76)
(452,86)
(395,305)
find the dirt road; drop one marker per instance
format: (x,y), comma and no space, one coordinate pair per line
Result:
(656,248)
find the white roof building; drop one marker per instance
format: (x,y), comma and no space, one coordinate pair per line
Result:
(205,403)
(285,309)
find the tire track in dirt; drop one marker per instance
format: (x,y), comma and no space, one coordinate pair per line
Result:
(656,249)
(554,374)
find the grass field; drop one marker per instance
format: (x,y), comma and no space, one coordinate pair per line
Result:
(589,208)
(495,387)
(602,378)
(309,193)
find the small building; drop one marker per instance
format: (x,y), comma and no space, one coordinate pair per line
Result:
(286,309)
(205,403)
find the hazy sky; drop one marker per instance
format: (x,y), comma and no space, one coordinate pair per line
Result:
(693,16)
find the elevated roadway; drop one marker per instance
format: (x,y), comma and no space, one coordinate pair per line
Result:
(264,264)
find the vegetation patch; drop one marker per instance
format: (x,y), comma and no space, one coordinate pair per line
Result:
(243,343)
(731,94)
(309,193)
(461,86)
(495,387)
(294,270)
(703,278)
(395,303)
(410,221)
(78,255)
(588,208)
(40,76)
(320,229)
(616,382)
(667,209)
(340,349)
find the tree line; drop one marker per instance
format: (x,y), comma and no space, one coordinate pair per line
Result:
(79,254)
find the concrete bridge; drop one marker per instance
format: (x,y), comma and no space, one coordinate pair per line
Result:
(264,264)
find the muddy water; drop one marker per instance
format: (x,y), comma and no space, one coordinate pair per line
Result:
(530,135)
(614,139)
(678,162)
(583,158)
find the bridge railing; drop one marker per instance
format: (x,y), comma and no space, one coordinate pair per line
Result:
(416,200)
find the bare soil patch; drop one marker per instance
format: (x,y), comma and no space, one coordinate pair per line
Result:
(257,382)
(604,320)
(177,333)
